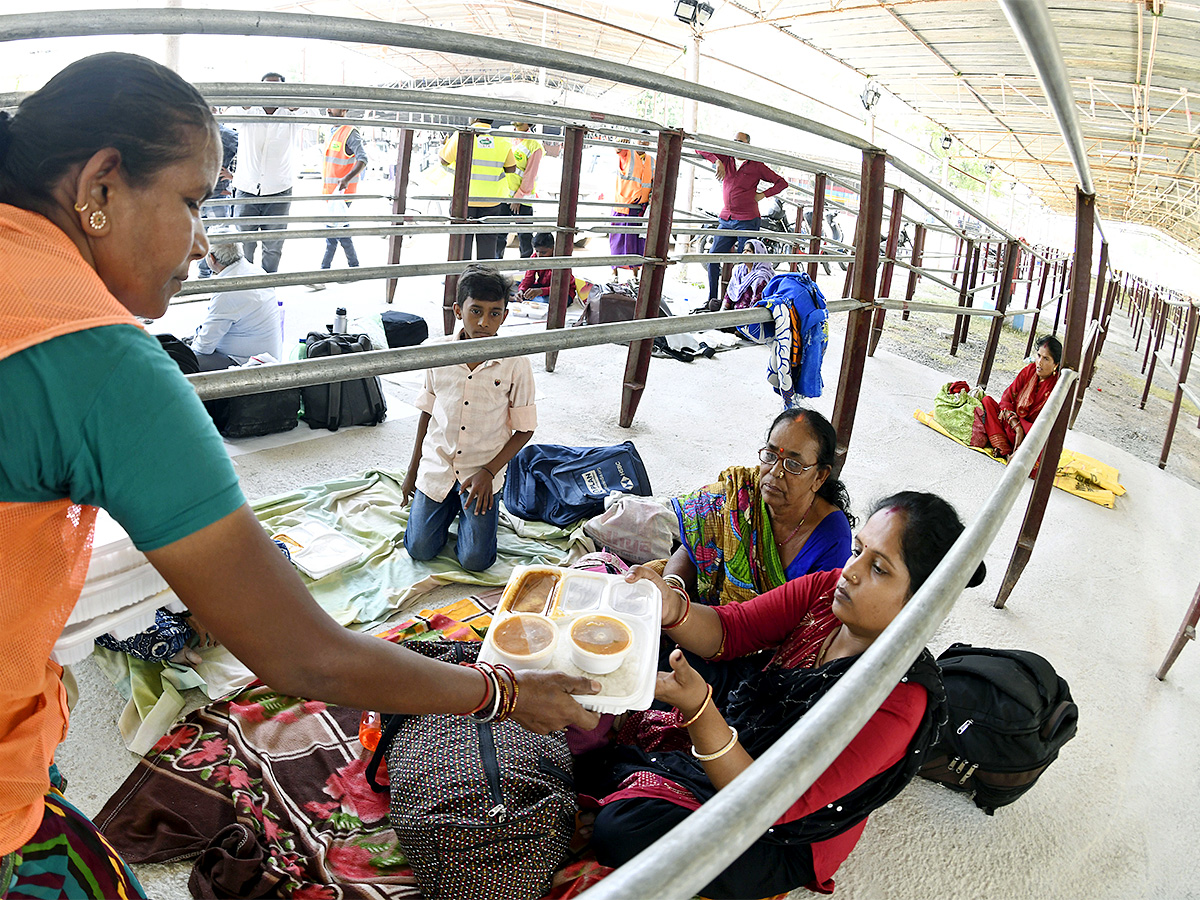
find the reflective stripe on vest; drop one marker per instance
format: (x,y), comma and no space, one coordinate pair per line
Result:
(339,164)
(522,151)
(633,185)
(488,178)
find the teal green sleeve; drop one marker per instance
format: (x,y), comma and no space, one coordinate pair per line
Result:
(105,417)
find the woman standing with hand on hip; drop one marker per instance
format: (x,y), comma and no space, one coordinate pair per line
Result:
(102,173)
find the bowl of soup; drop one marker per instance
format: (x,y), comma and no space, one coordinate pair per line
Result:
(599,643)
(524,640)
(532,592)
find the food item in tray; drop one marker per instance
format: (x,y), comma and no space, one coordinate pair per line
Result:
(599,643)
(525,639)
(532,592)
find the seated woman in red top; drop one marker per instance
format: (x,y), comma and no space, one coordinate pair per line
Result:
(729,707)
(1002,426)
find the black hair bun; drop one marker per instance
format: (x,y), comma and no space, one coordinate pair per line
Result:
(978,576)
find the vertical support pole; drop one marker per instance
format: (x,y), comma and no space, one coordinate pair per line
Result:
(1114,289)
(458,216)
(818,220)
(889,265)
(1187,632)
(658,246)
(1033,264)
(913,276)
(399,204)
(1089,356)
(958,247)
(1012,255)
(978,274)
(1177,327)
(971,260)
(564,236)
(1061,301)
(1081,283)
(799,229)
(1047,277)
(1189,344)
(858,321)
(1155,328)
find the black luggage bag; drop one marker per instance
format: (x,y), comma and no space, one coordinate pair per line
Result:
(404,329)
(341,403)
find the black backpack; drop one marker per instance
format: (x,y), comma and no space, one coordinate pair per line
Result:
(357,402)
(404,329)
(1010,714)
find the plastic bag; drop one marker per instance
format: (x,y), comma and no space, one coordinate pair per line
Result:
(637,529)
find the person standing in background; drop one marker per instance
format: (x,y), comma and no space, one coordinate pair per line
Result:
(345,160)
(634,180)
(267,155)
(523,182)
(223,190)
(491,161)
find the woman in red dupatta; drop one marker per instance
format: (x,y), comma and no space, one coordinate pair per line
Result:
(1002,426)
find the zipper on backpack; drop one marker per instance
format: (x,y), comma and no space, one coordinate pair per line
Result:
(965,725)
(491,768)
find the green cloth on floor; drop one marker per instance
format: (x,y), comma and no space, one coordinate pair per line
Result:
(956,412)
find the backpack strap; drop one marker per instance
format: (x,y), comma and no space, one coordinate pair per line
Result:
(385,741)
(333,409)
(1065,710)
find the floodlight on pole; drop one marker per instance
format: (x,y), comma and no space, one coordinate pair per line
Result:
(947,141)
(686,11)
(870,95)
(703,13)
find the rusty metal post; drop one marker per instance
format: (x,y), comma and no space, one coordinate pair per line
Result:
(1189,344)
(1047,277)
(658,246)
(849,280)
(885,278)
(1085,223)
(799,229)
(1012,255)
(858,321)
(1113,290)
(399,204)
(1089,355)
(1062,301)
(913,276)
(1155,329)
(818,221)
(564,237)
(1187,632)
(1177,327)
(980,274)
(971,256)
(958,247)
(1033,262)
(458,215)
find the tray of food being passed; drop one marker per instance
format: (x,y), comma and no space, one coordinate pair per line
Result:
(581,623)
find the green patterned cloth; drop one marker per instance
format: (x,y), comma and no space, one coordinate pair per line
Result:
(956,412)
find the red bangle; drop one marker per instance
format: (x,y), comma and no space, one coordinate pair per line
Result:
(687,610)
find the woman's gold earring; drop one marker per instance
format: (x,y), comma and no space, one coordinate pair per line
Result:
(83,208)
(97,220)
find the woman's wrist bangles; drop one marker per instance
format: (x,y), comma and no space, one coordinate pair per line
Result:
(700,711)
(500,694)
(709,757)
(676,584)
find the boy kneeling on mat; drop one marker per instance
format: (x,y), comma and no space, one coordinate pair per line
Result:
(474,418)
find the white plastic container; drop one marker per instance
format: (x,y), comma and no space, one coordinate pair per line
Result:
(599,643)
(539,634)
(318,550)
(580,593)
(76,641)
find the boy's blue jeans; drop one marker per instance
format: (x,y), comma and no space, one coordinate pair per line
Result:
(429,527)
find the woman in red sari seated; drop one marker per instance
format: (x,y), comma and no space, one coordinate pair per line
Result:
(1002,426)
(744,673)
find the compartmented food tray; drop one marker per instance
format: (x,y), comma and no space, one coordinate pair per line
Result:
(318,550)
(565,595)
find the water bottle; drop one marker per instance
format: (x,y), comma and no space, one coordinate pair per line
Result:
(339,320)
(370,729)
(279,303)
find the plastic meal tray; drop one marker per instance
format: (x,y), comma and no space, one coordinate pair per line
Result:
(318,550)
(579,593)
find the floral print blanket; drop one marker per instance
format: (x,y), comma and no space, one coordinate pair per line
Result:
(267,793)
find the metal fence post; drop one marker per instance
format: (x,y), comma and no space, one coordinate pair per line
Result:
(1047,277)
(399,204)
(1189,344)
(917,253)
(1085,222)
(1090,352)
(658,246)
(1187,632)
(970,268)
(464,150)
(564,237)
(885,278)
(858,321)
(798,229)
(818,220)
(1012,255)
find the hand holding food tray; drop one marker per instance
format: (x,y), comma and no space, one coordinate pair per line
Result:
(581,623)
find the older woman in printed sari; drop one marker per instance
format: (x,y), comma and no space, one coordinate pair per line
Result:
(756,528)
(749,278)
(1002,426)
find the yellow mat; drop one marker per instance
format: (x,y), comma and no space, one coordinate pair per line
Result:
(1076,474)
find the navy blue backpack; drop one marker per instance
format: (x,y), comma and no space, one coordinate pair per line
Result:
(561,485)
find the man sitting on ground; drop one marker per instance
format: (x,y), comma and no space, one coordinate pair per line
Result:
(240,323)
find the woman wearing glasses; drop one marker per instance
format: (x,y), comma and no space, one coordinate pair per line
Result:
(757,528)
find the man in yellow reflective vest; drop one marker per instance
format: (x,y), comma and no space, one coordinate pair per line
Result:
(523,182)
(491,161)
(634,179)
(345,160)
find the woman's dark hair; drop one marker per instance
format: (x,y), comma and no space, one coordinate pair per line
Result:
(931,526)
(119,100)
(1052,344)
(832,491)
(543,239)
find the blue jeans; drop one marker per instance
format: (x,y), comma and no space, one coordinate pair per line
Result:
(723,243)
(268,205)
(331,245)
(429,527)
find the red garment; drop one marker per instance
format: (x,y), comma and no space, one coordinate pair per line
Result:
(1025,396)
(740,187)
(794,620)
(540,278)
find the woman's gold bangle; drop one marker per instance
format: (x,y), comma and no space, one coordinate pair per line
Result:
(703,707)
(709,757)
(687,610)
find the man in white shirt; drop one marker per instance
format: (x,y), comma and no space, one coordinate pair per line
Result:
(268,153)
(239,324)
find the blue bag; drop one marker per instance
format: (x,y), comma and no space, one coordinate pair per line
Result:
(561,485)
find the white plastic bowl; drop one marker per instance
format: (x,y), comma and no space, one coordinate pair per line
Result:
(528,624)
(600,663)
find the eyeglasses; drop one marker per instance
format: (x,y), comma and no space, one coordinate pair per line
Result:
(792,466)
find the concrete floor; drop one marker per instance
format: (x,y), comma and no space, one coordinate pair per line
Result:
(1102,597)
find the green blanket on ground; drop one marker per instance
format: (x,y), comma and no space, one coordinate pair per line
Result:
(369,509)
